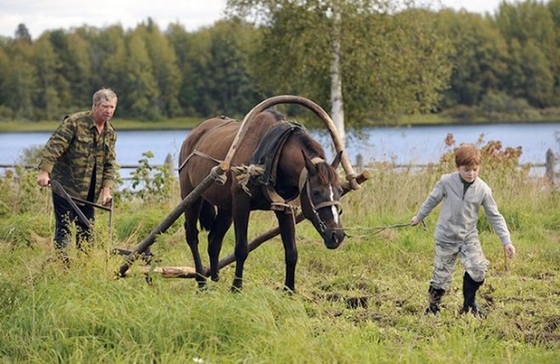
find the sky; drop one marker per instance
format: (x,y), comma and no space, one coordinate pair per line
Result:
(41,15)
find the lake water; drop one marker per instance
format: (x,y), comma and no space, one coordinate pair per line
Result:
(402,145)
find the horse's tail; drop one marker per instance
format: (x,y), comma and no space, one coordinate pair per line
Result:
(207,215)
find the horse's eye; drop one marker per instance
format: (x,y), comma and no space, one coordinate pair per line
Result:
(316,193)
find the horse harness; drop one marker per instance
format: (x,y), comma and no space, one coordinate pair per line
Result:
(262,171)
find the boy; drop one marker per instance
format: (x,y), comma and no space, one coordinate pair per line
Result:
(462,193)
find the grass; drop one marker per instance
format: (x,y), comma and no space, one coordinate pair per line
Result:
(361,303)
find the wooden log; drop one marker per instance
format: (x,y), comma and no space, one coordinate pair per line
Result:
(171,272)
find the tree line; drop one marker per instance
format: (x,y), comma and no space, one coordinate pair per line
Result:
(391,62)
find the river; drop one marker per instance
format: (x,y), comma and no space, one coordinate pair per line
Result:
(401,145)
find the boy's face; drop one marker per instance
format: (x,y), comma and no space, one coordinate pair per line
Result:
(468,173)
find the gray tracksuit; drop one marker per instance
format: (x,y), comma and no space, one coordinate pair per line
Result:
(456,232)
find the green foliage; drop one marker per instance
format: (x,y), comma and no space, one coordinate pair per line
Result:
(394,60)
(19,192)
(150,184)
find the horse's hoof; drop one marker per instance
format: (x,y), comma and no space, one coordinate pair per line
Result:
(289,290)
(237,286)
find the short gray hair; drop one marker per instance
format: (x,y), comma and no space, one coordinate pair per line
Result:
(104,94)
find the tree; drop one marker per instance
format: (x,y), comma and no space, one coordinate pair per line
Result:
(183,44)
(480,58)
(20,82)
(45,62)
(215,68)
(142,92)
(365,55)
(233,87)
(529,26)
(530,77)
(164,69)
(22,34)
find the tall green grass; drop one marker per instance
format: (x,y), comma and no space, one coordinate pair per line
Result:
(361,303)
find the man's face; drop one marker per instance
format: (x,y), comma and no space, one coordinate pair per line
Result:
(469,173)
(104,110)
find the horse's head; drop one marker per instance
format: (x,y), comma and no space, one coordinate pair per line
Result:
(320,193)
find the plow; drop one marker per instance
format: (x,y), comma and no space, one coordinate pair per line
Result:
(218,175)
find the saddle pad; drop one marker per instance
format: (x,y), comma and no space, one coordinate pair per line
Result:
(268,151)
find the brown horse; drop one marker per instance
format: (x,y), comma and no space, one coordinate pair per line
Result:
(299,170)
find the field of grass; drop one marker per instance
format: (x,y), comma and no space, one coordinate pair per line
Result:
(361,303)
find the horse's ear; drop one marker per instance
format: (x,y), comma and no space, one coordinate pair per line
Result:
(336,161)
(311,169)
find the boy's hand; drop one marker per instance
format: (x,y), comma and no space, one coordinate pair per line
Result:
(510,250)
(414,221)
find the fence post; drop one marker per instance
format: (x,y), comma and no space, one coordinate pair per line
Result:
(169,164)
(550,165)
(359,162)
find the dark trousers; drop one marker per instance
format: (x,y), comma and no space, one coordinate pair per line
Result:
(65,215)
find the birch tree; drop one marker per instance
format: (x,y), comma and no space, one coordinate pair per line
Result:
(385,57)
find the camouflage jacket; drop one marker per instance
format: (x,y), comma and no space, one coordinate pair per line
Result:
(75,149)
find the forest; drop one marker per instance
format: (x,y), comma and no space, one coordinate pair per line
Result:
(414,61)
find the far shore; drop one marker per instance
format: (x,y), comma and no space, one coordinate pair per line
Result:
(191,122)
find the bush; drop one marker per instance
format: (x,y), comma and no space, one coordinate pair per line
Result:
(500,106)
(461,112)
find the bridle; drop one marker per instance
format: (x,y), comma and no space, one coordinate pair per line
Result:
(304,186)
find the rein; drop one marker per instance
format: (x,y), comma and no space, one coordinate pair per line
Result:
(379,229)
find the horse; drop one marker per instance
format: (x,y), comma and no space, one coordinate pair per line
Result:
(295,170)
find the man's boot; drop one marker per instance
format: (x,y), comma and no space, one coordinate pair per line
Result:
(470,287)
(435,300)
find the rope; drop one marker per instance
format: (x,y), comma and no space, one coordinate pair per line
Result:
(244,173)
(379,229)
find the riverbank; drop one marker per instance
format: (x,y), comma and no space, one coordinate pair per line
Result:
(191,122)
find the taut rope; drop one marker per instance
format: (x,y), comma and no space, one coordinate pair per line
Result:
(379,229)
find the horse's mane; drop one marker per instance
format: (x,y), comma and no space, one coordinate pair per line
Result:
(275,114)
(325,172)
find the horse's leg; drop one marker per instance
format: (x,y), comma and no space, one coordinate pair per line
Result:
(215,239)
(241,212)
(191,235)
(286,223)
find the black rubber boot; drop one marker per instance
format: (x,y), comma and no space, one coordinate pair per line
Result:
(435,299)
(470,287)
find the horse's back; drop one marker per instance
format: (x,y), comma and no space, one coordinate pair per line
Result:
(208,144)
(204,136)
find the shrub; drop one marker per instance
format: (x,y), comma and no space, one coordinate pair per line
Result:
(150,183)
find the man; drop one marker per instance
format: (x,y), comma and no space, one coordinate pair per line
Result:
(80,155)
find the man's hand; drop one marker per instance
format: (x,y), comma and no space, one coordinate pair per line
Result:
(106,196)
(43,179)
